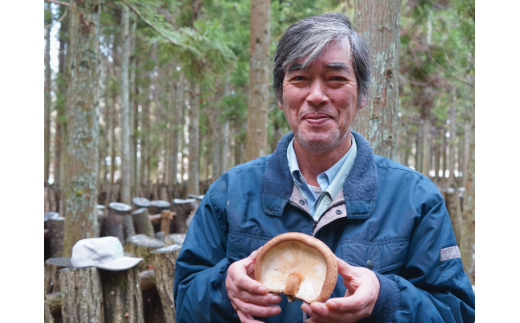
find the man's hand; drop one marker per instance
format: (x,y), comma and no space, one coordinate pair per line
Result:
(360,298)
(249,297)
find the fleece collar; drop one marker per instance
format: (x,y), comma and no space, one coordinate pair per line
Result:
(359,190)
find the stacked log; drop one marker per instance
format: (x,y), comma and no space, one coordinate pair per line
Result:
(55,225)
(165,221)
(141,246)
(163,260)
(119,222)
(175,238)
(47,317)
(52,267)
(142,223)
(140,202)
(81,295)
(157,206)
(122,298)
(183,209)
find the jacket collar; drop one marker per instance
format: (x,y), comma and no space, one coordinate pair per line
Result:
(359,190)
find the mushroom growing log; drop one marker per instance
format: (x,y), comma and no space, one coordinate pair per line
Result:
(298,266)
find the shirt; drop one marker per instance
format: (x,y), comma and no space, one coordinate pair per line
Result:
(330,182)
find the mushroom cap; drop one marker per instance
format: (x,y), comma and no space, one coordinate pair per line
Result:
(300,255)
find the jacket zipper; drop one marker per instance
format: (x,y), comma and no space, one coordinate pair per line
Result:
(315,223)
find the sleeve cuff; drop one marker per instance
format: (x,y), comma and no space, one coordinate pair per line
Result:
(387,302)
(223,290)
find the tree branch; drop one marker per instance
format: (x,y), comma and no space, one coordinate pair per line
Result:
(150,24)
(445,70)
(58,2)
(59,20)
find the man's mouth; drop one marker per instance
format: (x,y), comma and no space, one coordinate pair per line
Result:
(316,118)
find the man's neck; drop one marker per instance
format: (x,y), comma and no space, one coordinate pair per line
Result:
(311,165)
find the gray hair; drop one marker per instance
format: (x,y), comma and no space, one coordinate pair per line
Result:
(309,37)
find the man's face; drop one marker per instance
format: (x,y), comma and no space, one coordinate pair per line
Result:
(321,102)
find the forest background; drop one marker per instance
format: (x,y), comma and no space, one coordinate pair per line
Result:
(496,102)
(495,99)
(158,98)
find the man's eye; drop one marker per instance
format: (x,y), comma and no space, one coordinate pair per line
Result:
(298,78)
(337,78)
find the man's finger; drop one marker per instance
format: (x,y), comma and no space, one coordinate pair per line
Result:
(348,273)
(353,303)
(246,318)
(257,310)
(268,299)
(245,283)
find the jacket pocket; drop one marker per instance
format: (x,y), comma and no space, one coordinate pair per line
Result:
(380,256)
(241,245)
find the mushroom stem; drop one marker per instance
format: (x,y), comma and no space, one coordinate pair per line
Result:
(292,284)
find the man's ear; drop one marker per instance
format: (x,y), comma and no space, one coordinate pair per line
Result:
(362,104)
(280,105)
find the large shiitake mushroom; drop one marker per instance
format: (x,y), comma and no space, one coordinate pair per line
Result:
(298,266)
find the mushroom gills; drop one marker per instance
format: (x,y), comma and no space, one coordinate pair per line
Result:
(292,285)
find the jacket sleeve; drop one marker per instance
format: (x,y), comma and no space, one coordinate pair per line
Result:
(429,287)
(201,269)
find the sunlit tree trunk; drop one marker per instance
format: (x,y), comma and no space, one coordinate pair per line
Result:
(61,98)
(125,108)
(418,149)
(225,137)
(80,192)
(426,149)
(378,23)
(465,165)
(174,127)
(193,168)
(259,70)
(225,148)
(452,144)
(47,96)
(132,106)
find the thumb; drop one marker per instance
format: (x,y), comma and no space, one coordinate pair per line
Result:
(250,261)
(348,273)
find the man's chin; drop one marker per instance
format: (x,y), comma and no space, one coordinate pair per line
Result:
(318,145)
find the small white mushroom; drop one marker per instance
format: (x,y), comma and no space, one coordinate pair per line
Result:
(298,266)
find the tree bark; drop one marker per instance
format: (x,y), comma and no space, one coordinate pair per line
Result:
(122,296)
(80,192)
(163,261)
(467,241)
(81,295)
(47,318)
(193,168)
(378,23)
(258,104)
(47,98)
(125,108)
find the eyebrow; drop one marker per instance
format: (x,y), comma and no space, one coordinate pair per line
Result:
(334,66)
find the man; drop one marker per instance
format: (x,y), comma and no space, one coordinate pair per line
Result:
(397,257)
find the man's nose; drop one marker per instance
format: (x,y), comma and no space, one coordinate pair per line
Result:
(317,96)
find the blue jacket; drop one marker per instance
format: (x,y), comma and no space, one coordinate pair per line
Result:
(388,218)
